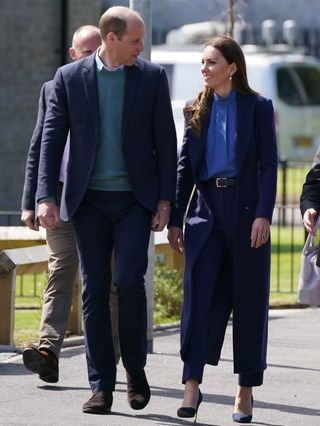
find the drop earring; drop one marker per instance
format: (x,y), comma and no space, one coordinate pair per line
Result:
(230,77)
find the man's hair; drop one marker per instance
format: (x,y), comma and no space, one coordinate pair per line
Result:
(82,29)
(115,20)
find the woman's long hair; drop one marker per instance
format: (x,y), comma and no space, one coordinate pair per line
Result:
(198,112)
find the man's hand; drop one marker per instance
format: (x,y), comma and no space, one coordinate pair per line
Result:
(309,220)
(175,237)
(48,215)
(161,218)
(260,232)
(28,218)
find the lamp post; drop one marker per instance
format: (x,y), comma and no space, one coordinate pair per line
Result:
(231,18)
(143,7)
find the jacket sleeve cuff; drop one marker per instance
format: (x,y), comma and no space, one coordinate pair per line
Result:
(46,200)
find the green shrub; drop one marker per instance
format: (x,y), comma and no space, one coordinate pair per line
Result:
(167,294)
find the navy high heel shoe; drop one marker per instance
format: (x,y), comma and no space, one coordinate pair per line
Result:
(243,418)
(190,411)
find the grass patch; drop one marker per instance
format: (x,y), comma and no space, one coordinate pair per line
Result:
(283,300)
(29,290)
(28,304)
(26,327)
(286,247)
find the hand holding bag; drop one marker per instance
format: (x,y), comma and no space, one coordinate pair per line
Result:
(309,275)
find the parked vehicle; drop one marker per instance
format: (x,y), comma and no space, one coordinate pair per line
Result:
(291,80)
(185,80)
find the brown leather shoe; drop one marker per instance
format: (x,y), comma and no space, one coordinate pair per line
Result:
(138,390)
(43,362)
(99,403)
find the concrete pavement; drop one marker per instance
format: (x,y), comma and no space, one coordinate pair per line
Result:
(290,395)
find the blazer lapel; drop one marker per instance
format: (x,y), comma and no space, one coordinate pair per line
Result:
(88,72)
(197,149)
(132,77)
(245,126)
(199,146)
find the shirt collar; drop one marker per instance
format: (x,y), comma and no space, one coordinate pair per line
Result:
(225,100)
(101,66)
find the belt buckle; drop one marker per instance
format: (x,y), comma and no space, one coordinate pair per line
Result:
(221,182)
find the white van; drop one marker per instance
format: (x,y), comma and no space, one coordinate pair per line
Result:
(291,80)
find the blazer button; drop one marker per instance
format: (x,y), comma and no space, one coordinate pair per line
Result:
(247,208)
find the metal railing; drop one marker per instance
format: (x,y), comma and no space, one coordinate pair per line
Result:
(286,244)
(287,233)
(10,218)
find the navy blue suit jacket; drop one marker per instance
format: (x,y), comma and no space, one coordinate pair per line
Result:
(32,165)
(148,134)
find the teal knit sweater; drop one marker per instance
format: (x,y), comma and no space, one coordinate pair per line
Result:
(109,171)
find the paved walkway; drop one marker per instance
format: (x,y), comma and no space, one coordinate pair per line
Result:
(289,397)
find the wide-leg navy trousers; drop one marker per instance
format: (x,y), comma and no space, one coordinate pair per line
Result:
(213,278)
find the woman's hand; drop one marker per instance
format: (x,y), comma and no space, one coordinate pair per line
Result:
(309,220)
(175,237)
(260,232)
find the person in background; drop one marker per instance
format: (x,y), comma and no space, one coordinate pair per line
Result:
(310,198)
(119,185)
(63,258)
(229,154)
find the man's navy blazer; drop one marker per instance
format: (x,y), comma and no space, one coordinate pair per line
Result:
(148,134)
(32,165)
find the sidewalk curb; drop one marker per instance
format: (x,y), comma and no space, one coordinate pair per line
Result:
(14,353)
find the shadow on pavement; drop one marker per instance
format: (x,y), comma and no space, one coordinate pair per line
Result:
(164,420)
(13,369)
(57,388)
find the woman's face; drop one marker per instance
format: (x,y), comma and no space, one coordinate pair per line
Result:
(216,71)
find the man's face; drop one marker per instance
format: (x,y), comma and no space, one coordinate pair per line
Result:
(85,45)
(129,47)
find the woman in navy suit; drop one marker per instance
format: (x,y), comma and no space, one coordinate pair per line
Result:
(228,163)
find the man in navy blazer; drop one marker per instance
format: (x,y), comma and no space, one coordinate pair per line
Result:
(120,183)
(63,262)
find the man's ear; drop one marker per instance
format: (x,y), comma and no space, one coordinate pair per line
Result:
(111,38)
(72,53)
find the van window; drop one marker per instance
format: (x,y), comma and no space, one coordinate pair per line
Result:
(310,79)
(287,87)
(299,85)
